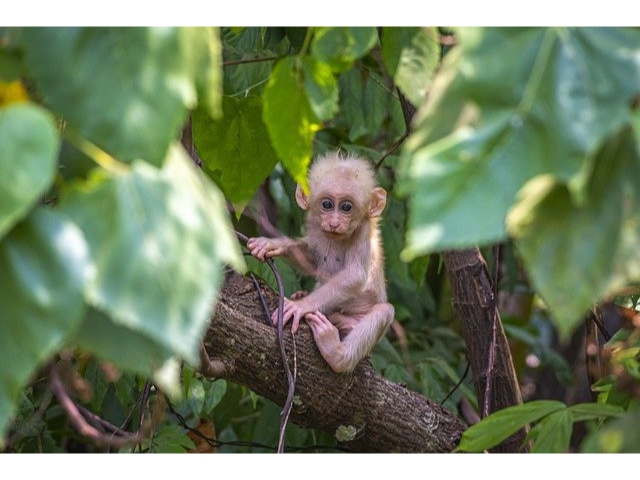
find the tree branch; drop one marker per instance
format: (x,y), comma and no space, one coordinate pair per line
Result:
(362,409)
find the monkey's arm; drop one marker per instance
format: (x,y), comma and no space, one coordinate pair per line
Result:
(296,251)
(263,248)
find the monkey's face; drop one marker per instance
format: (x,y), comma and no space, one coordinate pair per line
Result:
(338,215)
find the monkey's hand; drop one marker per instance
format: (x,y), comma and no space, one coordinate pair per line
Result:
(263,248)
(292,311)
(327,338)
(299,294)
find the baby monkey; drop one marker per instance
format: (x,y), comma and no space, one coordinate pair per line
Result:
(348,310)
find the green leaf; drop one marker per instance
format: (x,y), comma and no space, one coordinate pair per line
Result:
(215,392)
(533,101)
(29,146)
(596,243)
(411,55)
(134,350)
(375,104)
(461,190)
(159,239)
(635,122)
(236,150)
(594,411)
(290,119)
(168,439)
(209,81)
(131,88)
(553,433)
(321,88)
(195,396)
(44,263)
(619,436)
(11,67)
(351,104)
(498,426)
(339,47)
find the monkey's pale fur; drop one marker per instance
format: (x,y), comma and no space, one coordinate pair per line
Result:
(347,310)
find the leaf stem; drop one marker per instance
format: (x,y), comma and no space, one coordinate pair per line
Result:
(94,152)
(307,41)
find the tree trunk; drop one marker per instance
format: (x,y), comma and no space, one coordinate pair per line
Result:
(364,411)
(487,347)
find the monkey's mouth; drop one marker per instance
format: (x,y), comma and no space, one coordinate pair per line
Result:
(333,233)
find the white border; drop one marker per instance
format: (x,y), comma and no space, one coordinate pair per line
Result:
(325,12)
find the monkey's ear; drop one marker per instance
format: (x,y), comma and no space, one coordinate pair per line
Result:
(301,198)
(378,201)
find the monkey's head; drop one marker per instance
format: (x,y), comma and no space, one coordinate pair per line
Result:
(343,194)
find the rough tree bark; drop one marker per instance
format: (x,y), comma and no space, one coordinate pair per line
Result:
(473,298)
(362,409)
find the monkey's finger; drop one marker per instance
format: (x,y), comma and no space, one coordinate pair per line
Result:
(274,317)
(287,312)
(260,252)
(274,252)
(321,330)
(320,318)
(295,324)
(314,327)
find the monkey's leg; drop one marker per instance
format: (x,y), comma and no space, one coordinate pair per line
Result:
(343,356)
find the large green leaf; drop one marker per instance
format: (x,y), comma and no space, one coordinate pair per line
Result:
(29,146)
(537,100)
(44,262)
(455,196)
(553,433)
(411,55)
(133,350)
(500,425)
(159,239)
(339,47)
(236,149)
(290,119)
(125,89)
(577,254)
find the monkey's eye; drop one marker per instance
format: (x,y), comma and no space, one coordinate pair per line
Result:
(326,204)
(346,207)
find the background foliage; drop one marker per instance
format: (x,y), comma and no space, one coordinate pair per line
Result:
(113,244)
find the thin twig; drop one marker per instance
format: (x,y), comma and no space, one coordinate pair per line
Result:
(392,149)
(78,421)
(262,299)
(464,375)
(288,404)
(100,422)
